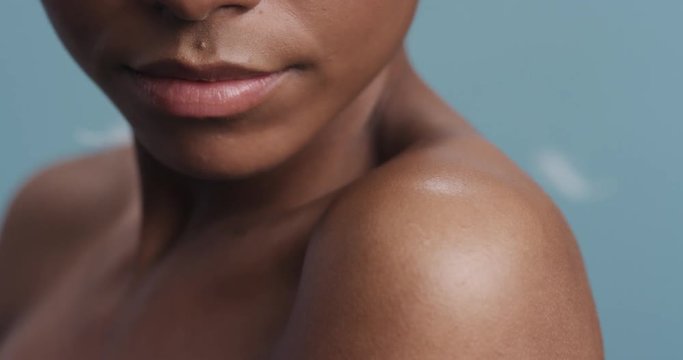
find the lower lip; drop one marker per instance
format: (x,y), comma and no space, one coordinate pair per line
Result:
(201,99)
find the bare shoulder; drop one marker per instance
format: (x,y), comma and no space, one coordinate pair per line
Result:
(54,212)
(71,192)
(442,254)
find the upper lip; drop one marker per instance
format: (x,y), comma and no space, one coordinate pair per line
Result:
(216,71)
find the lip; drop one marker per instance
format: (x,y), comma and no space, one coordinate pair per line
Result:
(203,90)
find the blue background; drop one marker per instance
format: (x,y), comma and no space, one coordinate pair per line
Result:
(584,94)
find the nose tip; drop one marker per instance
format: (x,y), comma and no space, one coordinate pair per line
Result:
(198,10)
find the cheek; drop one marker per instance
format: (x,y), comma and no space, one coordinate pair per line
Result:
(347,25)
(82,24)
(354,35)
(76,23)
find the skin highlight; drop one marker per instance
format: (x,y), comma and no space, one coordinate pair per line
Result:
(350,214)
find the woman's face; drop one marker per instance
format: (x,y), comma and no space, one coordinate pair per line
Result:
(323,51)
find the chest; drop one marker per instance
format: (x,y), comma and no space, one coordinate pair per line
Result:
(205,302)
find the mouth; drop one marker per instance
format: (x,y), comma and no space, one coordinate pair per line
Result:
(201,90)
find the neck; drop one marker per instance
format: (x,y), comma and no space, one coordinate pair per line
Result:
(344,150)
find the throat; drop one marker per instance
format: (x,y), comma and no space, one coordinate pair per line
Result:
(164,204)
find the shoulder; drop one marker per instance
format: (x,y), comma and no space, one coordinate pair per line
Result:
(440,188)
(66,193)
(54,212)
(435,256)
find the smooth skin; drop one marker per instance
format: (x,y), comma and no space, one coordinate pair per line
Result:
(352,215)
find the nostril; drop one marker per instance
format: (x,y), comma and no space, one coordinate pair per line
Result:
(174,13)
(162,9)
(198,10)
(236,8)
(158,6)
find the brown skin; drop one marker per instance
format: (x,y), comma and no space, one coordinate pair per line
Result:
(353,215)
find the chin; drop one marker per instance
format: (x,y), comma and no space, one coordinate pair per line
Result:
(212,153)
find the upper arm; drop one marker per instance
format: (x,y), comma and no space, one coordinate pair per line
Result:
(438,268)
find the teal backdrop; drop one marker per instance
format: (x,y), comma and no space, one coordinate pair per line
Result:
(584,94)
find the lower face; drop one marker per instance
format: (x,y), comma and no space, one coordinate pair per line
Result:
(313,57)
